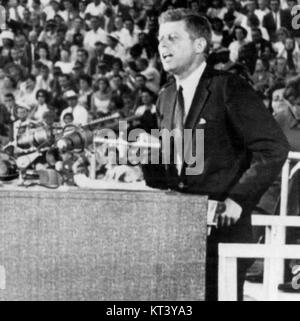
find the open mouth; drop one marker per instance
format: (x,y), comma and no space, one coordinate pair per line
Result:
(167,56)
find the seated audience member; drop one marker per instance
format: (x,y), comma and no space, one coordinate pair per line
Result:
(291,53)
(44,56)
(261,44)
(44,79)
(68,119)
(41,107)
(114,47)
(240,34)
(28,91)
(20,125)
(281,35)
(100,99)
(100,57)
(147,111)
(217,33)
(79,113)
(262,78)
(118,87)
(85,90)
(64,63)
(94,35)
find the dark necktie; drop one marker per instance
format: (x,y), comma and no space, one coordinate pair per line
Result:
(178,126)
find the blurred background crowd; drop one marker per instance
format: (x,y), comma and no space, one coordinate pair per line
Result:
(71,62)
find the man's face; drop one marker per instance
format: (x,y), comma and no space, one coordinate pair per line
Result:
(140,82)
(262,4)
(239,34)
(63,81)
(291,3)
(15,54)
(177,50)
(117,81)
(99,49)
(81,56)
(119,23)
(281,65)
(229,4)
(251,6)
(55,6)
(22,113)
(146,98)
(256,36)
(67,4)
(72,101)
(274,5)
(9,102)
(289,44)
(20,41)
(94,23)
(77,24)
(129,25)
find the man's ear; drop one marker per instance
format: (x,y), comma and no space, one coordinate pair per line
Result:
(200,45)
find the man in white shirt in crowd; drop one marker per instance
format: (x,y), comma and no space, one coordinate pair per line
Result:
(19,126)
(95,8)
(94,35)
(79,113)
(230,6)
(120,31)
(52,9)
(114,47)
(131,34)
(262,10)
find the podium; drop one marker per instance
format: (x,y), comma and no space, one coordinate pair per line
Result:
(102,245)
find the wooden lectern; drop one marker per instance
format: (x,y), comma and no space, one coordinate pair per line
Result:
(102,245)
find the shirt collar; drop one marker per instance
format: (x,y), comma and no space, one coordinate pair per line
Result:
(193,78)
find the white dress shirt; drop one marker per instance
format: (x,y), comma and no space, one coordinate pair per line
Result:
(189,86)
(91,37)
(79,113)
(94,10)
(276,17)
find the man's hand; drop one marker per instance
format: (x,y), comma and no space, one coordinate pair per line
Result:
(230,213)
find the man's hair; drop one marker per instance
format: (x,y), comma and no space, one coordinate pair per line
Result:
(197,25)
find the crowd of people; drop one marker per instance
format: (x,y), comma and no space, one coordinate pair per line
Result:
(71,62)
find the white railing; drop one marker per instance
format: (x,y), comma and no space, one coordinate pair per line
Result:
(228,254)
(273,251)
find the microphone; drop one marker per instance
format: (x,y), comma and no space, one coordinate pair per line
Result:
(77,140)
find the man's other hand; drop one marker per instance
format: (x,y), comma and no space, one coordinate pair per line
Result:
(230,215)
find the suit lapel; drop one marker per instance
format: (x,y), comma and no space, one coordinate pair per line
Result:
(201,95)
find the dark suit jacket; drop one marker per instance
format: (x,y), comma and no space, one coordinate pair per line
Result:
(269,22)
(108,59)
(244,148)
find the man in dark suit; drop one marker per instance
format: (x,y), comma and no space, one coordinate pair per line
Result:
(99,57)
(243,150)
(276,19)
